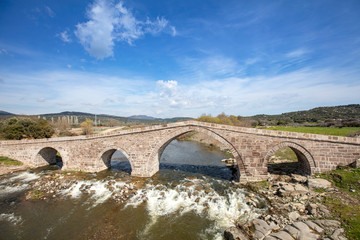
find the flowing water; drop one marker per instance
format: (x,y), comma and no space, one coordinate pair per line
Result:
(191,197)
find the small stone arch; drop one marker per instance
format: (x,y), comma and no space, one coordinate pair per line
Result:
(154,158)
(47,155)
(305,159)
(105,155)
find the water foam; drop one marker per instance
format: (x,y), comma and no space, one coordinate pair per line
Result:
(6,190)
(223,209)
(25,177)
(98,190)
(10,217)
(75,190)
(101,192)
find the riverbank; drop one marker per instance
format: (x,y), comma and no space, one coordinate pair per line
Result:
(8,165)
(306,208)
(203,139)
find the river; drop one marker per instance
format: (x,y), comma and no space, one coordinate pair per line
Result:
(191,197)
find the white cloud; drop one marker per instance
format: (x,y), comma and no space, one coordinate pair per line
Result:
(251,61)
(297,53)
(69,66)
(65,36)
(99,93)
(3,51)
(109,22)
(168,88)
(173,31)
(49,11)
(210,67)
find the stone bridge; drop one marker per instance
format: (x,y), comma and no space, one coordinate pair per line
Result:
(252,148)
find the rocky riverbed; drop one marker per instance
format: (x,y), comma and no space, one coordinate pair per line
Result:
(295,211)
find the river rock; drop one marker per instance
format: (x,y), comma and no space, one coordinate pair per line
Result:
(270,238)
(328,223)
(274,226)
(287,186)
(337,235)
(298,178)
(282,235)
(294,232)
(318,183)
(300,188)
(314,226)
(298,207)
(312,208)
(261,226)
(294,216)
(305,231)
(234,233)
(323,211)
(356,164)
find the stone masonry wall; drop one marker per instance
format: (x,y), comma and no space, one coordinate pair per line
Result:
(143,148)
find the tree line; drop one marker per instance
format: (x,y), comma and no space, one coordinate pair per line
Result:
(17,128)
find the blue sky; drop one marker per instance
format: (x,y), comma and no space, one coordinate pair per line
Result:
(178,58)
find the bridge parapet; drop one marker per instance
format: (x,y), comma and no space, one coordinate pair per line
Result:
(244,130)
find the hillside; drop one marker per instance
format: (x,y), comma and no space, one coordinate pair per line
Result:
(78,117)
(3,113)
(339,113)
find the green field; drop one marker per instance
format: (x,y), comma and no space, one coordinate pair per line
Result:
(9,161)
(345,131)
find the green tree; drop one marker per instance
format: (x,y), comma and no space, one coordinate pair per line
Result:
(18,128)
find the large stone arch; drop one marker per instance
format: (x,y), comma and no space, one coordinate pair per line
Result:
(105,156)
(154,158)
(47,155)
(305,159)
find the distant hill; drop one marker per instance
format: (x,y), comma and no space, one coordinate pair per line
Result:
(345,112)
(320,114)
(3,113)
(78,117)
(142,117)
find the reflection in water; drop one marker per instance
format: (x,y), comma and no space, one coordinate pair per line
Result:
(185,156)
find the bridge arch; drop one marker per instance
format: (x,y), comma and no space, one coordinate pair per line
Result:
(105,155)
(306,161)
(154,158)
(47,155)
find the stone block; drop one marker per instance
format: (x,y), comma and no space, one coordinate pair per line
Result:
(318,183)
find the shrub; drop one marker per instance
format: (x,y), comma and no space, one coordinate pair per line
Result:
(19,128)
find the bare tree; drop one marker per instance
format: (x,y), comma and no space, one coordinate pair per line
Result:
(87,126)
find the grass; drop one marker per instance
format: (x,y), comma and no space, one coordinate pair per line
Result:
(285,153)
(349,214)
(257,186)
(9,161)
(36,194)
(345,206)
(345,178)
(318,130)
